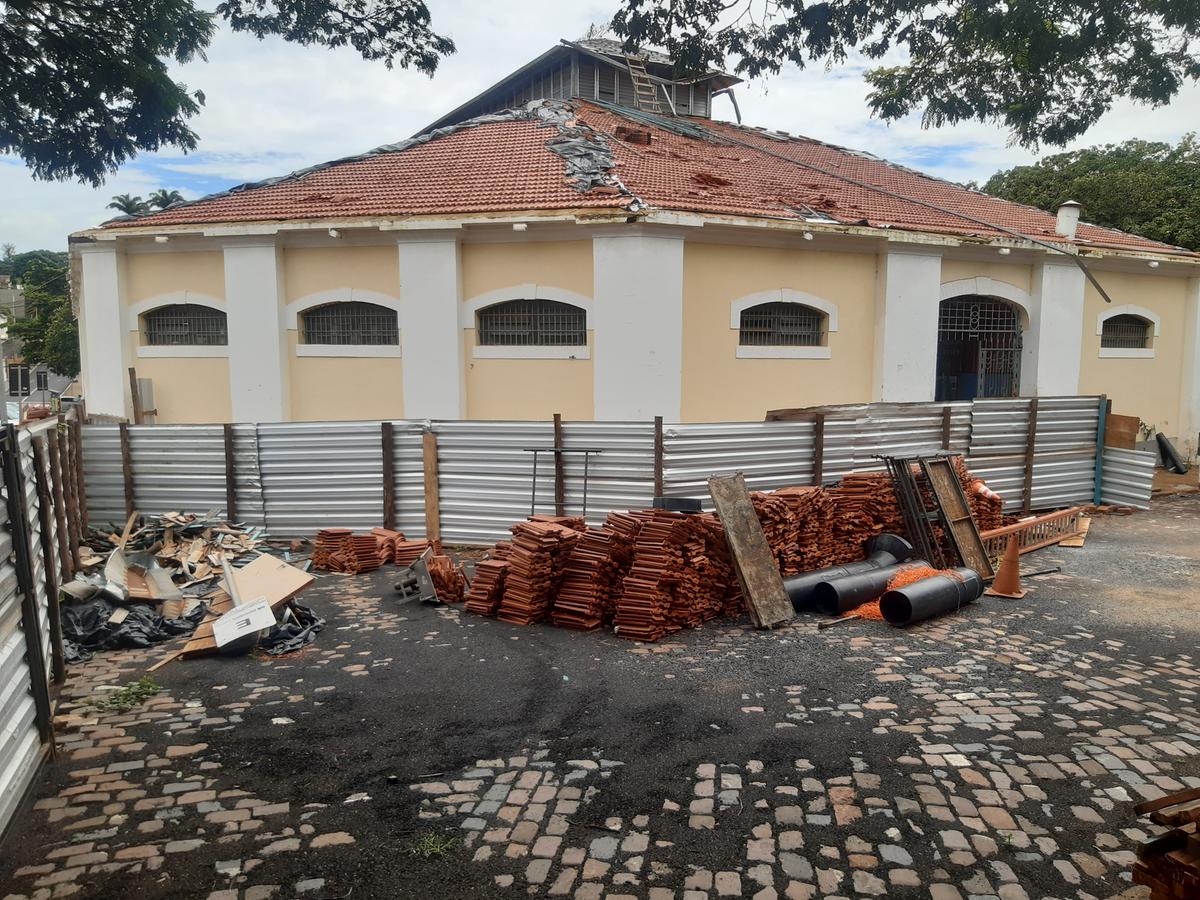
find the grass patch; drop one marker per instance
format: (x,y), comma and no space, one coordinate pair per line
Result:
(126,698)
(432,845)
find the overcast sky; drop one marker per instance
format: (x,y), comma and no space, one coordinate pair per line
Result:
(273,107)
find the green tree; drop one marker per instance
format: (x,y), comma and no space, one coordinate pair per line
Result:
(1143,187)
(1046,69)
(129,205)
(162,198)
(18,264)
(49,333)
(85,85)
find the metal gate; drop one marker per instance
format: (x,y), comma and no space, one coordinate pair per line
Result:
(979,349)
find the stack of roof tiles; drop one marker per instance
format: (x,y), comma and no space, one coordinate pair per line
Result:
(487,587)
(535,569)
(408,552)
(331,549)
(987,506)
(864,505)
(447,578)
(813,512)
(594,572)
(386,539)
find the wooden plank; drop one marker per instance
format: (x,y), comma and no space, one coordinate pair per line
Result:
(1176,799)
(761,583)
(126,467)
(963,533)
(135,397)
(231,504)
(53,439)
(1121,431)
(75,446)
(433,522)
(1030,446)
(387,447)
(58,665)
(946,422)
(818,476)
(270,577)
(560,476)
(659,455)
(70,498)
(1078,539)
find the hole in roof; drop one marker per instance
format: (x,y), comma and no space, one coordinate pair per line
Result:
(710,180)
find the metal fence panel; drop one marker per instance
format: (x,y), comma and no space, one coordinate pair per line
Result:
(620,477)
(102,469)
(1128,477)
(321,475)
(408,462)
(178,468)
(247,476)
(999,427)
(485,477)
(771,455)
(20,743)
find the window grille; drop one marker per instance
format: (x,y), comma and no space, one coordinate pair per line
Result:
(185,325)
(1126,332)
(532,323)
(350,323)
(781,324)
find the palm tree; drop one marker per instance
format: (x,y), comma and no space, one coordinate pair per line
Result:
(162,198)
(129,205)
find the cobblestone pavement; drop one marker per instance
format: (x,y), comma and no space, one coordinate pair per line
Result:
(423,752)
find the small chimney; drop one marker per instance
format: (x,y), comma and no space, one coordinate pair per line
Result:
(1068,219)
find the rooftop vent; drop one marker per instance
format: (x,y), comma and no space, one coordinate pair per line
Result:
(1068,219)
(633,135)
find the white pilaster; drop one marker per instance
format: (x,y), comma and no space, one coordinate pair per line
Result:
(103,343)
(1054,340)
(431,342)
(637,326)
(908,292)
(1189,390)
(258,363)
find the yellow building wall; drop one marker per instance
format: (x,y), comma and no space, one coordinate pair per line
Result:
(153,274)
(1146,388)
(310,270)
(344,389)
(527,389)
(717,386)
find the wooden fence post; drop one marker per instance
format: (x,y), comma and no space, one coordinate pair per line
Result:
(1030,445)
(53,440)
(818,476)
(126,468)
(80,489)
(560,469)
(387,446)
(658,456)
(231,504)
(946,416)
(58,666)
(70,498)
(433,522)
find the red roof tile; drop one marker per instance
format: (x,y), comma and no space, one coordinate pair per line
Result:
(506,166)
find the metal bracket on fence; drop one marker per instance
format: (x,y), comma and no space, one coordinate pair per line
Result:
(587,456)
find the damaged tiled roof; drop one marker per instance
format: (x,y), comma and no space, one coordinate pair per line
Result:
(503,163)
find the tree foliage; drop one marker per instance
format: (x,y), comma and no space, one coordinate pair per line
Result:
(1046,69)
(129,204)
(18,264)
(49,333)
(84,84)
(1143,187)
(162,198)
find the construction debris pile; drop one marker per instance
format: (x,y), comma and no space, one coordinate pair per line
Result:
(1169,864)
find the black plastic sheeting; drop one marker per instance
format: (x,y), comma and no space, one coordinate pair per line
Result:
(86,627)
(295,632)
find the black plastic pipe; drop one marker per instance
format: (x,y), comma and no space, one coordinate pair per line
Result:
(1172,461)
(840,595)
(932,596)
(881,550)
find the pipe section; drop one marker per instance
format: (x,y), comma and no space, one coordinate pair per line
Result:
(932,596)
(840,595)
(881,550)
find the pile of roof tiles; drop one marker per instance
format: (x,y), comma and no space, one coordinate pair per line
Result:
(594,573)
(986,505)
(386,540)
(448,579)
(406,553)
(864,505)
(331,549)
(813,512)
(487,587)
(535,569)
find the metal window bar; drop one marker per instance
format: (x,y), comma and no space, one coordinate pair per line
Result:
(968,318)
(532,323)
(781,324)
(350,323)
(1125,332)
(185,324)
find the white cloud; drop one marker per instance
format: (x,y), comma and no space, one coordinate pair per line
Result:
(274,107)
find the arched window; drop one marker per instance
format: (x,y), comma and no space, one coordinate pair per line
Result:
(185,325)
(349,323)
(781,324)
(531,323)
(1126,332)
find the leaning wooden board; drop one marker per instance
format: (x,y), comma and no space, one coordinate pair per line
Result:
(762,585)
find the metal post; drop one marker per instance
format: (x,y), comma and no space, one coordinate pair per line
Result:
(587,455)
(1101,427)
(533,487)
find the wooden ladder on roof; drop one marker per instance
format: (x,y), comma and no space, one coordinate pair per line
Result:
(645,91)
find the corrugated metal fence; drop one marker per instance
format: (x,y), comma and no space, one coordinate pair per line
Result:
(297,478)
